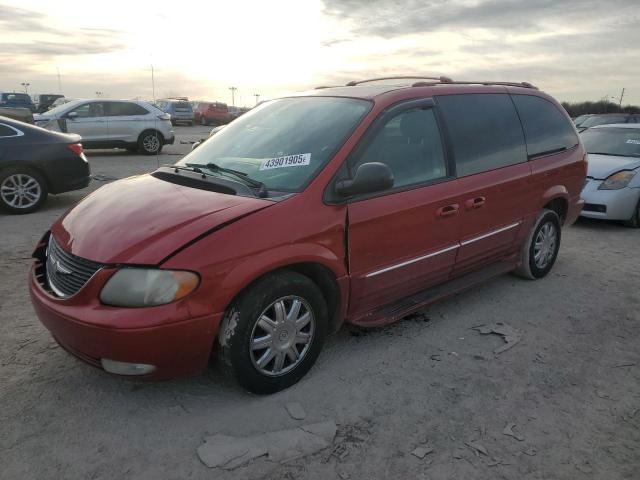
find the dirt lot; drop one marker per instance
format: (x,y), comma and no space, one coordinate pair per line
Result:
(571,385)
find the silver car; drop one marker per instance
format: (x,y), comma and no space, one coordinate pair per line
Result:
(612,190)
(134,125)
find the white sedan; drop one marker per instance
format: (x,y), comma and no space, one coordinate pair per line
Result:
(612,190)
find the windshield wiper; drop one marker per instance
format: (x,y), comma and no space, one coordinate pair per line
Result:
(246,179)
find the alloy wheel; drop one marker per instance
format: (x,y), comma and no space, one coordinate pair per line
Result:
(151,143)
(545,245)
(20,191)
(282,336)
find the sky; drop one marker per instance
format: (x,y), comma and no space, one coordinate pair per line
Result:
(573,49)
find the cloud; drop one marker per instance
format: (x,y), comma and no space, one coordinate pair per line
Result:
(33,38)
(390,18)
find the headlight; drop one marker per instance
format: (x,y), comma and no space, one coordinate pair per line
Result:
(617,180)
(141,287)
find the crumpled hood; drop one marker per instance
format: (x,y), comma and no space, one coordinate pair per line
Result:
(601,166)
(142,220)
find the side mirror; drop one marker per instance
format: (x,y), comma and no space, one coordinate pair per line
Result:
(370,177)
(72,115)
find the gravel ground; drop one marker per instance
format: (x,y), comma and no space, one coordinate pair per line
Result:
(570,386)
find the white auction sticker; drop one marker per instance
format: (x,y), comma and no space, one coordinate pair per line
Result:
(635,142)
(297,160)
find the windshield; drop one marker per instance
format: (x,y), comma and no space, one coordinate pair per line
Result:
(60,108)
(613,141)
(283,143)
(603,120)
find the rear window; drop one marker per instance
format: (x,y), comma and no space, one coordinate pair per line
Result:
(546,129)
(20,97)
(485,131)
(115,109)
(183,105)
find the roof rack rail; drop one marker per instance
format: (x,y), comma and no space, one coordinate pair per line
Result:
(442,81)
(400,77)
(482,82)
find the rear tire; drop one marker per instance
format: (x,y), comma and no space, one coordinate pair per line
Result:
(273,333)
(540,250)
(634,221)
(150,142)
(22,190)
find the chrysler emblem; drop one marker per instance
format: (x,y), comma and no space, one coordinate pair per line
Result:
(55,263)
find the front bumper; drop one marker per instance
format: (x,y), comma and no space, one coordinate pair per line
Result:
(159,336)
(609,204)
(170,139)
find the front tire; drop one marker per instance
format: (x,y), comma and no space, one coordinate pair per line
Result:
(273,333)
(541,248)
(150,142)
(22,190)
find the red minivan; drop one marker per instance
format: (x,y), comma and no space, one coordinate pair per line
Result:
(361,203)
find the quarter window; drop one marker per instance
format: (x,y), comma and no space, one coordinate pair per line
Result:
(485,131)
(546,129)
(409,144)
(6,131)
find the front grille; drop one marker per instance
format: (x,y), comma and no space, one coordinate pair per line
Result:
(67,273)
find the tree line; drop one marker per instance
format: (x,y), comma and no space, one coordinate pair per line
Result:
(581,108)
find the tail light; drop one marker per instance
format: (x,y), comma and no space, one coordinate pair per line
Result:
(164,116)
(76,148)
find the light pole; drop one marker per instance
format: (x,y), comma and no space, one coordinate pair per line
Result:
(233,95)
(98,94)
(26,86)
(257,95)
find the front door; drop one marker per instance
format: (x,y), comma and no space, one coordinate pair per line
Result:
(403,240)
(89,122)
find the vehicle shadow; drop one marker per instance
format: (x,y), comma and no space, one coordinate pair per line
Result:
(595,224)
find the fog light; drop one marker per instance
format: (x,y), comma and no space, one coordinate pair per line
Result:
(125,368)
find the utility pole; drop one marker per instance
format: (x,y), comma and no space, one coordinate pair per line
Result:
(621,96)
(26,86)
(233,95)
(257,95)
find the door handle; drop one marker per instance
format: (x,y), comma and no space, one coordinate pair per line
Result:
(448,211)
(474,203)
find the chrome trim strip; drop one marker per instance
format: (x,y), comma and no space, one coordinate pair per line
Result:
(493,232)
(413,260)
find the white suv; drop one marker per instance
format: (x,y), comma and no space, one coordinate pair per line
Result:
(129,124)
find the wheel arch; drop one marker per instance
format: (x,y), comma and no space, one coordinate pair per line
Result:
(33,166)
(333,288)
(556,198)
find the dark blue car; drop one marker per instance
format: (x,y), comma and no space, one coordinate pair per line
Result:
(16,100)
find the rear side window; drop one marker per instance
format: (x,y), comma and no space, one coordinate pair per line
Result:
(546,129)
(409,144)
(485,131)
(6,131)
(121,109)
